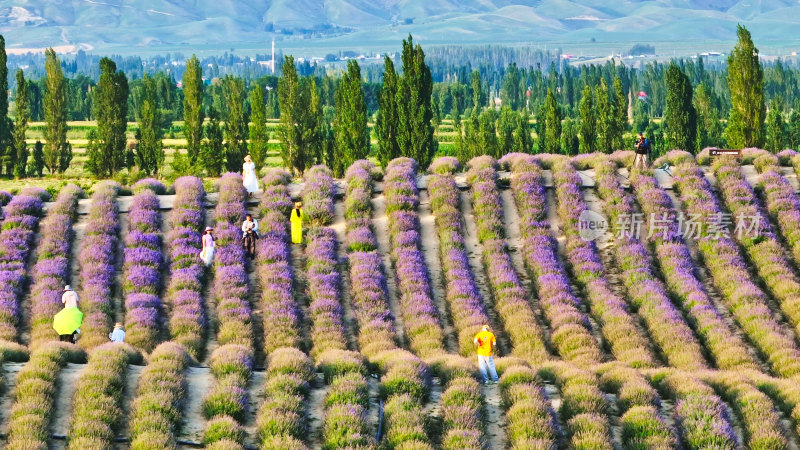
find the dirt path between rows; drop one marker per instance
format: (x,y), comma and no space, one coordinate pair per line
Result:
(198,384)
(339,226)
(475,256)
(210,304)
(62,409)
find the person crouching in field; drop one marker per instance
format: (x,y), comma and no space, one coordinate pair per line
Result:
(486,342)
(118,335)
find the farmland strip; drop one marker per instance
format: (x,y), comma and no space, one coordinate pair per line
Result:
(746,300)
(187,323)
(52,269)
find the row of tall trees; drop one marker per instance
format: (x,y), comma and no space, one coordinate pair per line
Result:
(323,120)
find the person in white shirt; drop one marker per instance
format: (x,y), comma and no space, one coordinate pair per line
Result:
(249,235)
(118,335)
(69,298)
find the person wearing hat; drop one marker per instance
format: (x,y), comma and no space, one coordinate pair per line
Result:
(207,254)
(486,342)
(297,217)
(118,335)
(69,298)
(642,147)
(250,179)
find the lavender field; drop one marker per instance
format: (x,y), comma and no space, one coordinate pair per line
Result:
(675,324)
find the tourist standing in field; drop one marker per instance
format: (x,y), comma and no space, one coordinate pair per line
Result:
(69,298)
(249,235)
(118,335)
(642,149)
(207,254)
(486,342)
(250,179)
(297,217)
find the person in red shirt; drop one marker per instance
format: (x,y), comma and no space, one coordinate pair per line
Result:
(486,341)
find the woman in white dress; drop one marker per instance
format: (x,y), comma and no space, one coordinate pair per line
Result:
(250,179)
(207,255)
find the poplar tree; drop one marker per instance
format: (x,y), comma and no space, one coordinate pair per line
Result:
(510,92)
(212,152)
(21,126)
(387,121)
(236,131)
(794,128)
(292,104)
(605,118)
(350,122)
(149,151)
(487,140)
(193,114)
(709,128)
(38,158)
(477,92)
(108,155)
(259,134)
(588,128)
(776,126)
(620,114)
(5,123)
(415,132)
(680,117)
(553,124)
(57,152)
(746,84)
(506,124)
(522,134)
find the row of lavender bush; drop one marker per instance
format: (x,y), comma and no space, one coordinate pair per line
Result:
(232,363)
(143,260)
(461,291)
(702,415)
(530,420)
(645,290)
(53,260)
(725,346)
(421,323)
(346,402)
(22,216)
(405,380)
(744,299)
(157,410)
(97,402)
(510,300)
(98,257)
(755,410)
(281,419)
(584,408)
(570,328)
(618,326)
(187,324)
(461,399)
(35,394)
(639,404)
(761,246)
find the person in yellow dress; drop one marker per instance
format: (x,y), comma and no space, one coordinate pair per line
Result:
(486,342)
(296,217)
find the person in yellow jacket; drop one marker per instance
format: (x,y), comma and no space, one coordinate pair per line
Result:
(486,342)
(296,217)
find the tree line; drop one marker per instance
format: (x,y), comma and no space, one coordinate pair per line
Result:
(680,104)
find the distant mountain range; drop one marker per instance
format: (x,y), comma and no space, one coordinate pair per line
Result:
(128,25)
